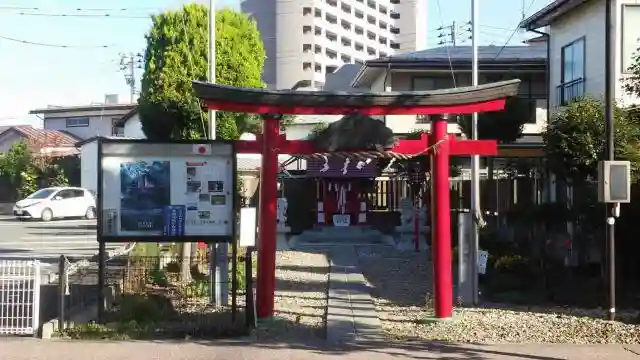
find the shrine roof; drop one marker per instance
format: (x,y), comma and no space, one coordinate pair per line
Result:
(230,98)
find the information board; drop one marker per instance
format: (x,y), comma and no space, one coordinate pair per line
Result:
(167,190)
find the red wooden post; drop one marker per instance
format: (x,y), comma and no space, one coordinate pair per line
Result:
(267,234)
(440,223)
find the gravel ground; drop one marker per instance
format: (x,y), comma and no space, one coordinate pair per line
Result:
(301,297)
(400,305)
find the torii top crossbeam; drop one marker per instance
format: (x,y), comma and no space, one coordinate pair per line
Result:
(462,100)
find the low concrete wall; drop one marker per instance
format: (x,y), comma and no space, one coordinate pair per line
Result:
(81,309)
(6,208)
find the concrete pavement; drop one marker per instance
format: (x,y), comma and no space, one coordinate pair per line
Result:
(32,349)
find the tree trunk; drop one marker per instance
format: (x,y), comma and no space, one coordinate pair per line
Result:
(185,263)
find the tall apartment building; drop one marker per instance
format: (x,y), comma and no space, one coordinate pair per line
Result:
(306,39)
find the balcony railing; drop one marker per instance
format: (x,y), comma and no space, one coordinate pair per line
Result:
(570,90)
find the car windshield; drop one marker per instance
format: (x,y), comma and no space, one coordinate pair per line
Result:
(41,194)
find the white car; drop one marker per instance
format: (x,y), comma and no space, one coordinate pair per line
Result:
(56,202)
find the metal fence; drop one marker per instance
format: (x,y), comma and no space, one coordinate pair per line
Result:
(159,293)
(19,297)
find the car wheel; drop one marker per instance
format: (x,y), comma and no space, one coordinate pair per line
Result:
(47,215)
(90,214)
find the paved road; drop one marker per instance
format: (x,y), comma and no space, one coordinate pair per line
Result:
(31,349)
(46,241)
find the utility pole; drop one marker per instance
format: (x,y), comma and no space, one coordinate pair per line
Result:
(129,63)
(475,159)
(219,265)
(448,37)
(609,118)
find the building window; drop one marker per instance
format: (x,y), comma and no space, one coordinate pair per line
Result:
(572,72)
(630,35)
(345,8)
(371,19)
(116,129)
(77,122)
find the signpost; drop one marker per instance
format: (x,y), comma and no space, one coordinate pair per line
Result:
(179,192)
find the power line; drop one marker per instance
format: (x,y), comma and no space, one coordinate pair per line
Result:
(62,46)
(516,28)
(79,9)
(71,15)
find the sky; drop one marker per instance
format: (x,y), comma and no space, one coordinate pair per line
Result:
(36,75)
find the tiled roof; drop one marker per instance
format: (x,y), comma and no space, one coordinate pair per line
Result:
(46,137)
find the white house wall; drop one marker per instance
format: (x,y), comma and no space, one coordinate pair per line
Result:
(585,21)
(588,21)
(133,128)
(89,166)
(622,95)
(100,122)
(8,139)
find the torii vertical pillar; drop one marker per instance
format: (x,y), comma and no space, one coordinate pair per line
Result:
(267,221)
(440,220)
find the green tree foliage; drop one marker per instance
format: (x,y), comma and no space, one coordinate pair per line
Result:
(504,126)
(176,54)
(631,81)
(575,139)
(316,129)
(26,172)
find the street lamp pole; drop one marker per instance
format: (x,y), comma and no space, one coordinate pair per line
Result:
(610,155)
(218,252)
(475,160)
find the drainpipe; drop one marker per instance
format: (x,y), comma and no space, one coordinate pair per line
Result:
(548,85)
(386,89)
(547,71)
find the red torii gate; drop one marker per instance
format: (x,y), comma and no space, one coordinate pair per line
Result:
(272,104)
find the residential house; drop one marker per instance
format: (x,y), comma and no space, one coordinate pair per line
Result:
(47,142)
(131,125)
(576,31)
(449,67)
(86,121)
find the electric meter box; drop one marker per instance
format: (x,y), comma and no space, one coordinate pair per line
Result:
(614,181)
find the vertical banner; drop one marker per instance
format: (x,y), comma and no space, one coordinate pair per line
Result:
(174,220)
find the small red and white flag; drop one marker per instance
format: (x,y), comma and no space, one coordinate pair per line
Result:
(202,149)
